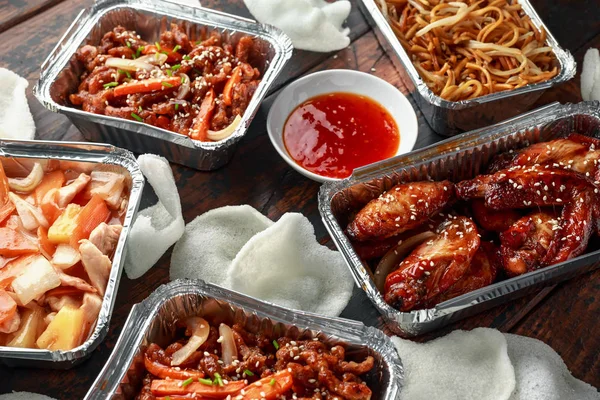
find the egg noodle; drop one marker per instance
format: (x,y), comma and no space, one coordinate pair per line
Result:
(467,49)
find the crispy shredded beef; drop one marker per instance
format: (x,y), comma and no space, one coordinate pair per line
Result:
(202,65)
(319,371)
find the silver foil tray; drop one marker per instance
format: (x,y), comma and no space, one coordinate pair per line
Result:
(452,117)
(456,159)
(60,74)
(153,321)
(84,157)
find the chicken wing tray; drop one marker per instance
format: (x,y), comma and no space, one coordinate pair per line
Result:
(66,212)
(472,222)
(501,75)
(163,78)
(191,338)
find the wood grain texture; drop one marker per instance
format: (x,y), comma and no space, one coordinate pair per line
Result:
(564,317)
(13,12)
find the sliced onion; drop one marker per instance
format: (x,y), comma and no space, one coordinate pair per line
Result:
(184,89)
(200,330)
(31,216)
(228,347)
(156,58)
(128,65)
(225,132)
(30,182)
(392,258)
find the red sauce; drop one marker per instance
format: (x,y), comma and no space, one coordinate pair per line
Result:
(332,134)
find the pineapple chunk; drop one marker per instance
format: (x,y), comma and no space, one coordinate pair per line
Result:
(39,277)
(65,332)
(62,229)
(31,322)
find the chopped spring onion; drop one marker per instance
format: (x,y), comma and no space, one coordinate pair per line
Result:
(111,84)
(272,382)
(182,78)
(248,372)
(128,44)
(166,84)
(157,46)
(123,72)
(176,67)
(176,106)
(276,344)
(205,381)
(187,382)
(218,379)
(138,52)
(164,52)
(176,48)
(134,115)
(140,109)
(169,72)
(187,58)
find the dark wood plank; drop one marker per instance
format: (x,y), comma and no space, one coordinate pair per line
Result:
(13,12)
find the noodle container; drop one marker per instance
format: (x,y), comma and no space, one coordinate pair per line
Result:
(85,157)
(60,74)
(449,118)
(153,321)
(457,159)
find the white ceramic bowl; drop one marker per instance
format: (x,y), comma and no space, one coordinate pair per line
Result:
(340,80)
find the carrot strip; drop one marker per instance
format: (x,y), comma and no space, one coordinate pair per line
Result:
(176,387)
(236,77)
(147,85)
(199,130)
(13,243)
(270,387)
(46,246)
(93,214)
(163,371)
(52,180)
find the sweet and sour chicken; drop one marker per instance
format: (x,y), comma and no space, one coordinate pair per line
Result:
(58,229)
(534,208)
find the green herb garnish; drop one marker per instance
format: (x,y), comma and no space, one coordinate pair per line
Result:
(276,345)
(128,44)
(187,382)
(166,84)
(138,52)
(123,72)
(176,67)
(205,381)
(140,109)
(157,46)
(176,106)
(111,84)
(248,372)
(272,382)
(176,48)
(218,379)
(187,58)
(182,79)
(134,115)
(169,72)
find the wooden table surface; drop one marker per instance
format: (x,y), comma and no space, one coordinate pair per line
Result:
(566,316)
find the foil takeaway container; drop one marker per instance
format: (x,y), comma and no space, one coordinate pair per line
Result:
(449,118)
(154,320)
(456,159)
(83,157)
(59,76)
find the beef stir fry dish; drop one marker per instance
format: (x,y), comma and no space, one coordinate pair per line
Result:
(434,241)
(200,89)
(59,229)
(228,362)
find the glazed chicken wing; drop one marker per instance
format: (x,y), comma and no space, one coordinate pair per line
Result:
(482,272)
(576,152)
(493,220)
(526,242)
(403,207)
(524,187)
(433,267)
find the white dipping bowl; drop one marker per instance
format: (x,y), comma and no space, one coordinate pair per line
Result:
(334,81)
